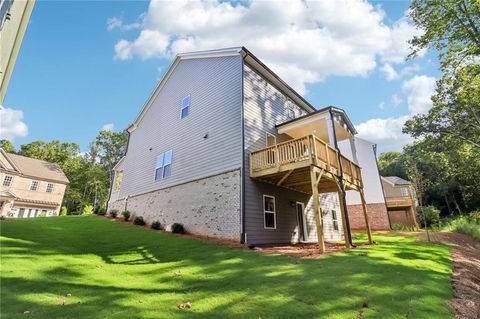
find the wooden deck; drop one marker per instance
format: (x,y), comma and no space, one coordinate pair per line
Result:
(399,202)
(288,164)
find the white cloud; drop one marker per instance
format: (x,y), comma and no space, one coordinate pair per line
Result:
(420,89)
(117,23)
(11,124)
(108,127)
(387,133)
(113,23)
(304,42)
(390,73)
(381,106)
(396,100)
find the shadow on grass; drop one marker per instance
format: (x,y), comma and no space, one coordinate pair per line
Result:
(115,271)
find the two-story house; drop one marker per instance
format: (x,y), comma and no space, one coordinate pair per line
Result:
(226,147)
(401,201)
(30,187)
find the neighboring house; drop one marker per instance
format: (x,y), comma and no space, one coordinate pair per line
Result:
(363,153)
(14,18)
(30,187)
(401,201)
(227,148)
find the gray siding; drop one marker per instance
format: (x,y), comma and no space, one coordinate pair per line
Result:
(264,107)
(215,87)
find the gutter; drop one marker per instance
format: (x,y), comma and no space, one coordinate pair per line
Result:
(343,197)
(243,235)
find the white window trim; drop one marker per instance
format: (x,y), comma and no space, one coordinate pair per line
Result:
(404,191)
(31,184)
(10,182)
(163,167)
(274,212)
(304,219)
(267,134)
(182,107)
(335,220)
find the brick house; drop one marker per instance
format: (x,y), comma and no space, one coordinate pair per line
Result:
(30,187)
(226,147)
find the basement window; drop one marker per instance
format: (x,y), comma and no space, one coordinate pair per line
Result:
(269,212)
(185,106)
(334,220)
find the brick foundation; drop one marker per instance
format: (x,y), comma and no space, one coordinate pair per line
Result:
(377,214)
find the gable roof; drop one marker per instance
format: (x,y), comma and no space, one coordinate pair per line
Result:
(395,180)
(249,58)
(36,168)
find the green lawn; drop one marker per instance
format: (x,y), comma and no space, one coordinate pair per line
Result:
(90,267)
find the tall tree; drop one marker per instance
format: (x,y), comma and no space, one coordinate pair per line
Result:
(392,164)
(110,147)
(7,146)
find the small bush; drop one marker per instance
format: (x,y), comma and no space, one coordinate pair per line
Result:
(87,210)
(126,215)
(431,213)
(178,228)
(63,211)
(466,225)
(139,221)
(400,227)
(114,213)
(101,211)
(156,225)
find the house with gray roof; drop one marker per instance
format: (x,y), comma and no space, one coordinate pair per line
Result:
(227,148)
(401,201)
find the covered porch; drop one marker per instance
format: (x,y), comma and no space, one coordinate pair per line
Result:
(310,165)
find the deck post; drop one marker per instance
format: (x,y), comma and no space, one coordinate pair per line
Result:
(341,194)
(414,220)
(316,207)
(365,214)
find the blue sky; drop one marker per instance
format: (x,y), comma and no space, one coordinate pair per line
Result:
(83,65)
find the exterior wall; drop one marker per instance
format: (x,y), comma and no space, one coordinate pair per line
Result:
(393,191)
(11,36)
(377,216)
(215,88)
(208,206)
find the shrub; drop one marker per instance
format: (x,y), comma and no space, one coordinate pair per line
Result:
(114,213)
(63,211)
(87,210)
(156,225)
(126,215)
(431,213)
(139,221)
(101,211)
(178,228)
(466,225)
(75,213)
(400,227)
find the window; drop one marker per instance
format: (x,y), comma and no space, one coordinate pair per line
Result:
(34,186)
(335,219)
(185,106)
(164,165)
(118,181)
(7,181)
(49,188)
(271,140)
(404,191)
(269,212)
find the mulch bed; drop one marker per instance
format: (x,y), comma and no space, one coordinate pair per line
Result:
(466,274)
(306,251)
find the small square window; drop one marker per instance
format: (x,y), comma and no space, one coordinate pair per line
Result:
(34,186)
(49,188)
(185,106)
(7,181)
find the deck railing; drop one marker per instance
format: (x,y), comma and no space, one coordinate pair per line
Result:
(398,201)
(307,150)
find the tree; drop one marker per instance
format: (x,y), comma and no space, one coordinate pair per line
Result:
(110,147)
(7,146)
(54,151)
(392,164)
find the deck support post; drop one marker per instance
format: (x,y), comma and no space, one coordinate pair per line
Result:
(365,214)
(316,207)
(414,220)
(343,209)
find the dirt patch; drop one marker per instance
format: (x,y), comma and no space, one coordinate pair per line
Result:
(466,274)
(307,251)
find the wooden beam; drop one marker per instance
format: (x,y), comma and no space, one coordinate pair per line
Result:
(343,209)
(319,176)
(316,207)
(284,177)
(365,214)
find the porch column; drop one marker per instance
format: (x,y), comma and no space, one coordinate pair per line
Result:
(343,210)
(365,214)
(316,208)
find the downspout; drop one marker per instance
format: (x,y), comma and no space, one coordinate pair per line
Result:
(243,235)
(343,199)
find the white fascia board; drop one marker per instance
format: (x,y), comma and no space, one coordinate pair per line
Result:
(301,122)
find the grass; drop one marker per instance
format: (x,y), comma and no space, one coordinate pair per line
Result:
(90,267)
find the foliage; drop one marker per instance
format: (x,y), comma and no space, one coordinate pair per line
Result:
(223,278)
(102,211)
(429,213)
(392,164)
(126,215)
(156,225)
(178,228)
(114,213)
(87,210)
(468,225)
(63,211)
(139,221)
(400,227)
(7,146)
